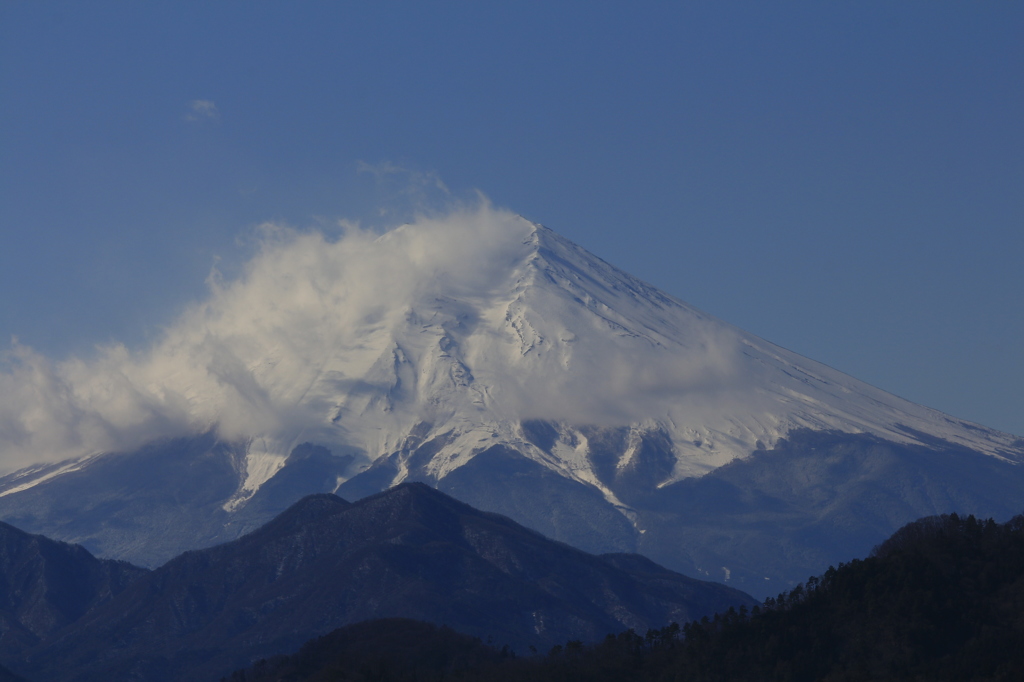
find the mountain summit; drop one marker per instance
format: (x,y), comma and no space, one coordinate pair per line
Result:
(540,329)
(492,358)
(563,337)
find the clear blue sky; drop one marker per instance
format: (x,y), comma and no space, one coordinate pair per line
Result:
(843,179)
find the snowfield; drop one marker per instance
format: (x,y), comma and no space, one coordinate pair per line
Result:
(453,331)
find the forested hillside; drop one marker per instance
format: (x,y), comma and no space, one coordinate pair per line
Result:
(942,599)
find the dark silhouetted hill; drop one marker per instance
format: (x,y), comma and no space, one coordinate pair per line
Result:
(942,599)
(410,552)
(47,585)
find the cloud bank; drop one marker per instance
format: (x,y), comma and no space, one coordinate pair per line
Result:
(240,360)
(310,314)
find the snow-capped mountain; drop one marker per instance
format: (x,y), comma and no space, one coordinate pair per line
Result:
(564,337)
(488,348)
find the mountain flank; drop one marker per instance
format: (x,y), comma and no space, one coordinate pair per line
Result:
(533,380)
(942,599)
(46,586)
(410,552)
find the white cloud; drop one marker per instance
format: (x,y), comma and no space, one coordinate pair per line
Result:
(201,109)
(240,359)
(408,192)
(413,180)
(307,342)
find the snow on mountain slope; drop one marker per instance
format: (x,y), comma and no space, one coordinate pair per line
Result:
(455,331)
(559,335)
(500,363)
(562,336)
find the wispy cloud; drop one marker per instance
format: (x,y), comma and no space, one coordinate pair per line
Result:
(281,350)
(413,178)
(239,359)
(201,110)
(407,192)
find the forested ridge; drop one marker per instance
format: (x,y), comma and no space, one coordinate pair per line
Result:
(942,599)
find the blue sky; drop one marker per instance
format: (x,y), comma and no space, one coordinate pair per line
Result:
(845,180)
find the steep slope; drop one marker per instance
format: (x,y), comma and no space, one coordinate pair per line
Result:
(502,364)
(47,585)
(410,552)
(767,522)
(568,339)
(942,599)
(149,506)
(559,335)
